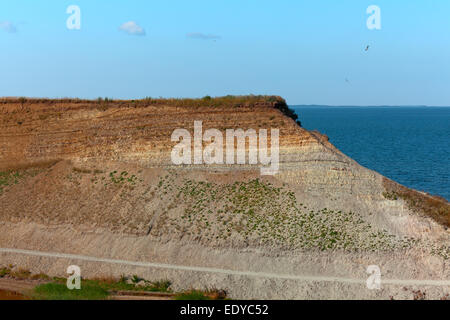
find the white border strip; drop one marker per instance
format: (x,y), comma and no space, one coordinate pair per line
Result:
(222,271)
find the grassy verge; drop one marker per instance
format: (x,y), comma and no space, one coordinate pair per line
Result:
(95,289)
(101,290)
(59,291)
(54,288)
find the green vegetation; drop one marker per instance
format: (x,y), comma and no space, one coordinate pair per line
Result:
(59,291)
(122,177)
(113,178)
(442,251)
(257,212)
(102,288)
(390,195)
(91,289)
(21,274)
(9,178)
(13,177)
(226,101)
(4,272)
(122,284)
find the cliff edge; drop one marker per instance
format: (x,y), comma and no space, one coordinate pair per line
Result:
(97,179)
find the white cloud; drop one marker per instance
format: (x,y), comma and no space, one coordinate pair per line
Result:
(202,36)
(132,28)
(8,26)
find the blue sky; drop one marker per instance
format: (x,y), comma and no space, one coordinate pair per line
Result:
(309,52)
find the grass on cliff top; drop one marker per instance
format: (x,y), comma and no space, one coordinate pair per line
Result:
(104,104)
(181,102)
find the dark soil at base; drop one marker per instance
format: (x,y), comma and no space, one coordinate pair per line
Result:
(10,295)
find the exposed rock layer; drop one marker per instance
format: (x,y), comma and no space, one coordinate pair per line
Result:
(102,169)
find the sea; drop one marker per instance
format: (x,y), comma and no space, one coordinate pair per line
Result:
(410,145)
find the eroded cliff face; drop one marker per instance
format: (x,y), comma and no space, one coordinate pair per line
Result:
(103,170)
(139,133)
(134,132)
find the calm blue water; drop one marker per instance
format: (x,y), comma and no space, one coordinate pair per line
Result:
(410,145)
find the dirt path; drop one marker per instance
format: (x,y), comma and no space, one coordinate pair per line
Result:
(228,272)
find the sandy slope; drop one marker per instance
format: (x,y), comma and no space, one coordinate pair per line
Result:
(97,180)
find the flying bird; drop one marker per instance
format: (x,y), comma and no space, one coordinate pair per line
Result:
(367,48)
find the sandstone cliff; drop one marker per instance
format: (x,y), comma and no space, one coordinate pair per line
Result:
(96,178)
